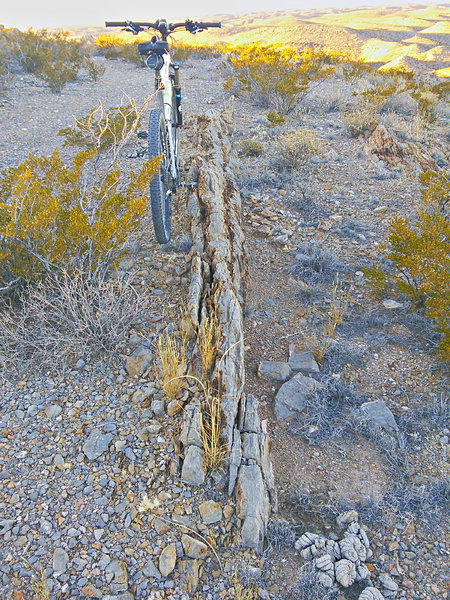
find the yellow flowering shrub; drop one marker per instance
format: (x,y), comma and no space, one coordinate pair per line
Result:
(420,254)
(56,216)
(275,77)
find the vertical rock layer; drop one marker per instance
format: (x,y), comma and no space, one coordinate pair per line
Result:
(217,285)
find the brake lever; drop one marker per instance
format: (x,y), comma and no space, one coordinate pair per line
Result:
(132,28)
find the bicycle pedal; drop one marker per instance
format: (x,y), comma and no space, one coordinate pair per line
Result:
(137,154)
(142,135)
(189,184)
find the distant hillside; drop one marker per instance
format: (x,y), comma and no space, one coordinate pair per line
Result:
(378,35)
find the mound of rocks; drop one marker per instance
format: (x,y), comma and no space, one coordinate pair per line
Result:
(340,562)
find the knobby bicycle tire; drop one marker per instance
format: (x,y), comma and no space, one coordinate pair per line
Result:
(161,184)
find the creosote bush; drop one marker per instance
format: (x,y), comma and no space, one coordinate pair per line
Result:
(419,253)
(252,147)
(57,58)
(275,77)
(297,147)
(56,216)
(113,46)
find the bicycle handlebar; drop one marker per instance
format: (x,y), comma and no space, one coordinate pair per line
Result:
(136,26)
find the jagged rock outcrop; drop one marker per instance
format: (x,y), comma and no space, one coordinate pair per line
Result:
(217,286)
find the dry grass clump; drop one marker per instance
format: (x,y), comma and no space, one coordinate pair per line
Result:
(297,147)
(214,450)
(415,129)
(172,353)
(360,120)
(207,338)
(320,344)
(243,592)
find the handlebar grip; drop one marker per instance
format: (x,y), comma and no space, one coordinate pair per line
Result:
(115,24)
(216,24)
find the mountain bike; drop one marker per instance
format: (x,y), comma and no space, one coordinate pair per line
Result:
(165,121)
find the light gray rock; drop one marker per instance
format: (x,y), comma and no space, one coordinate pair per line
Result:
(116,572)
(150,570)
(138,362)
(345,571)
(352,548)
(379,413)
(274,370)
(235,460)
(60,560)
(306,540)
(388,583)
(96,444)
(371,593)
(192,471)
(325,579)
(251,421)
(6,525)
(302,361)
(167,560)
(293,394)
(362,572)
(252,506)
(392,304)
(250,446)
(53,410)
(350,516)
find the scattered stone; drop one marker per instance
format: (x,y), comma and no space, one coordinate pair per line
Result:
(188,569)
(167,560)
(138,362)
(116,572)
(292,395)
(211,512)
(58,461)
(274,370)
(192,470)
(347,517)
(371,593)
(392,304)
(150,570)
(96,444)
(194,548)
(60,560)
(388,583)
(302,361)
(379,413)
(53,410)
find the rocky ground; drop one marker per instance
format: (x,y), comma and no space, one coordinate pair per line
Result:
(89,491)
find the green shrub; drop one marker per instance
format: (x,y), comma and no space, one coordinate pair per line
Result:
(113,46)
(275,77)
(297,147)
(274,118)
(420,255)
(53,216)
(54,57)
(252,147)
(102,129)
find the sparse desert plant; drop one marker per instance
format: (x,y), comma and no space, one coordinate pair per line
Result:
(39,587)
(308,587)
(57,58)
(420,255)
(241,591)
(361,119)
(172,353)
(102,128)
(296,148)
(67,316)
(275,118)
(320,343)
(280,534)
(276,77)
(252,147)
(313,263)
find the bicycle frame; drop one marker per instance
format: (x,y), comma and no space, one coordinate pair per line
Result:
(165,89)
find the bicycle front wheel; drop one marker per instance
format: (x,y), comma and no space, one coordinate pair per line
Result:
(161,184)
